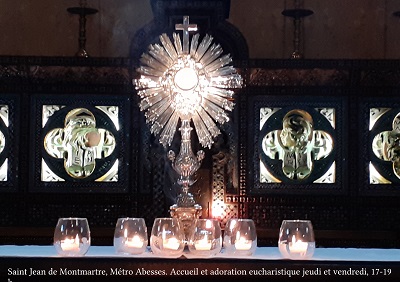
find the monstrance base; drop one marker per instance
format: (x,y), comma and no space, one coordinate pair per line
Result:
(186,215)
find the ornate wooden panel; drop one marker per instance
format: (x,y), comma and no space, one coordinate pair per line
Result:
(79,144)
(295,144)
(349,210)
(9,140)
(380,147)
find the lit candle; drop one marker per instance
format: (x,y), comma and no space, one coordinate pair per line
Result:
(298,247)
(135,242)
(243,244)
(203,244)
(70,244)
(171,244)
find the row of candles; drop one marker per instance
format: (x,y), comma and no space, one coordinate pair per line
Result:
(167,238)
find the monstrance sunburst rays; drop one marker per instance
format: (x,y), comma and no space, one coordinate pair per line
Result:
(186,81)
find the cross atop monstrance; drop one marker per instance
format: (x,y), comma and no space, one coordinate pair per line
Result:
(186,27)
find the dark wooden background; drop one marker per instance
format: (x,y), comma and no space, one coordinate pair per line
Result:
(354,214)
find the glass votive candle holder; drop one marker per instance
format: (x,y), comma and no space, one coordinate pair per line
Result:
(72,236)
(240,237)
(167,237)
(130,236)
(205,237)
(296,239)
